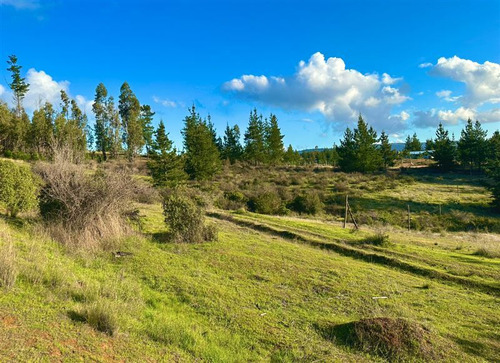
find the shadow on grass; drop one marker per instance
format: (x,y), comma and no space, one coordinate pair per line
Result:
(76,316)
(475,348)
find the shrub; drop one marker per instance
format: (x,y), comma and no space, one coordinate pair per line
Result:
(18,187)
(8,269)
(307,203)
(83,209)
(185,219)
(378,239)
(101,317)
(267,202)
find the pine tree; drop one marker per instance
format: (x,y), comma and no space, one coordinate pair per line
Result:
(368,156)
(274,141)
(146,120)
(388,154)
(472,146)
(444,149)
(347,152)
(291,156)
(493,167)
(255,150)
(130,110)
(231,146)
(165,165)
(202,155)
(412,144)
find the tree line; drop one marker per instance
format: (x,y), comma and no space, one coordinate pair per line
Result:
(126,128)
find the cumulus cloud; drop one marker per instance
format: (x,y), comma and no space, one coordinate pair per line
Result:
(433,117)
(482,81)
(2,90)
(327,86)
(43,88)
(165,102)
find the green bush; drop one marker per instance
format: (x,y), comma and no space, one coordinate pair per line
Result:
(307,203)
(185,220)
(18,187)
(267,202)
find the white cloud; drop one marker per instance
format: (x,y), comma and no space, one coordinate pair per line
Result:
(446,95)
(482,81)
(433,117)
(387,79)
(326,86)
(165,102)
(22,4)
(425,65)
(454,117)
(42,89)
(84,104)
(2,90)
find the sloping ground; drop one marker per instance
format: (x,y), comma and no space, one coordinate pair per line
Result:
(447,257)
(249,297)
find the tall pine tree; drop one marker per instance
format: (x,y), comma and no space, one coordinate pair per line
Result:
(386,151)
(255,150)
(274,141)
(444,149)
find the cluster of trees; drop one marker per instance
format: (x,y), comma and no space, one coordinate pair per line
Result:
(204,151)
(126,128)
(361,150)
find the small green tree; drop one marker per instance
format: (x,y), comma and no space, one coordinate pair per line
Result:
(347,152)
(165,165)
(444,149)
(472,146)
(388,154)
(202,154)
(231,146)
(291,156)
(412,144)
(18,187)
(255,149)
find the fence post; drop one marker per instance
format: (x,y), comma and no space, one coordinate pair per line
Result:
(346,206)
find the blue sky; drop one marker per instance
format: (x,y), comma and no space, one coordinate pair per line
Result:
(405,65)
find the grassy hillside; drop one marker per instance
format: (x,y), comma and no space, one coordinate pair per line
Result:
(251,296)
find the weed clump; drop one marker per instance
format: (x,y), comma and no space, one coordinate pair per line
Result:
(101,317)
(8,268)
(185,220)
(392,339)
(378,239)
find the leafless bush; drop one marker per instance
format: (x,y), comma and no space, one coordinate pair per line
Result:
(83,209)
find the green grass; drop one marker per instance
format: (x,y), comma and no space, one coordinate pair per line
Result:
(249,297)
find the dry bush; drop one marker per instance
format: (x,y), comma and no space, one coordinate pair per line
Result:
(8,267)
(83,209)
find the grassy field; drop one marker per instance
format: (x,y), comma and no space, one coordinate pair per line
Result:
(272,288)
